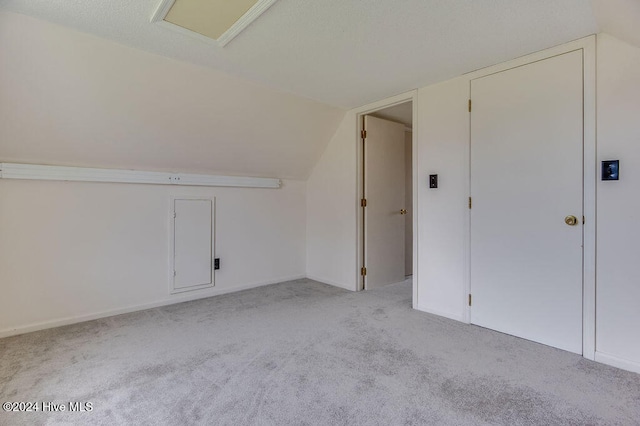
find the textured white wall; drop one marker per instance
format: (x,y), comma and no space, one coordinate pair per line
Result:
(72,250)
(618,282)
(331,210)
(69,98)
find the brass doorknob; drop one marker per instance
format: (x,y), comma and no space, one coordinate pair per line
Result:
(403,211)
(571,220)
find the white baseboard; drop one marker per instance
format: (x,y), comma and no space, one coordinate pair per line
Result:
(615,361)
(444,314)
(330,282)
(180,298)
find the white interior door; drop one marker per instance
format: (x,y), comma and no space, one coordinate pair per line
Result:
(384,190)
(526,177)
(193,244)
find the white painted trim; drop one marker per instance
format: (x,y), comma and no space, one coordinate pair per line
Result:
(161,11)
(360,234)
(386,103)
(615,361)
(82,174)
(466,244)
(533,57)
(329,282)
(172,244)
(415,187)
(589,199)
(195,287)
(235,181)
(43,172)
(203,294)
(243,22)
(588,46)
(359,113)
(449,315)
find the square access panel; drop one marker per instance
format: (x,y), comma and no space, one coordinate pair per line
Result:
(210,20)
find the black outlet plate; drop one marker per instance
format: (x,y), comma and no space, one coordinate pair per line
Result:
(216,263)
(433,181)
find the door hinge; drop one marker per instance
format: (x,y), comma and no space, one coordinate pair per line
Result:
(363,134)
(584,220)
(363,202)
(469,299)
(469,105)
(174,273)
(470,203)
(174,215)
(363,271)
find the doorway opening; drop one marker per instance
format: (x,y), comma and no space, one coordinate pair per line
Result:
(387,211)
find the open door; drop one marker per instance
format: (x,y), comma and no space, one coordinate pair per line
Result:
(385,211)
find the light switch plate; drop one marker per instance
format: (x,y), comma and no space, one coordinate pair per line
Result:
(611,170)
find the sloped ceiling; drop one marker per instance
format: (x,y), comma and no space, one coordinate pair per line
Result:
(344,53)
(68,98)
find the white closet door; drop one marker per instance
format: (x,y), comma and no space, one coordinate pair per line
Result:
(193,244)
(526,178)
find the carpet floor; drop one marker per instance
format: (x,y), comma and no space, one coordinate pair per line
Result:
(305,353)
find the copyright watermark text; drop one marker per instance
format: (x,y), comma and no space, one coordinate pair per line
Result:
(47,406)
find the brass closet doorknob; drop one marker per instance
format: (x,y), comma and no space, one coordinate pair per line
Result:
(403,211)
(571,220)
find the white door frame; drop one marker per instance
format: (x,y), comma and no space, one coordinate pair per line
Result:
(590,170)
(359,114)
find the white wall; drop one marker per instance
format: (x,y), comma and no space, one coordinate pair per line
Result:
(618,276)
(331,210)
(72,250)
(79,250)
(69,98)
(618,18)
(333,205)
(443,146)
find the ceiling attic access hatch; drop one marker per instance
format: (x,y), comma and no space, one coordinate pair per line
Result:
(212,21)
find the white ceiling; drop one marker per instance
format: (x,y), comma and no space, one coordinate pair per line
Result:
(343,53)
(401,113)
